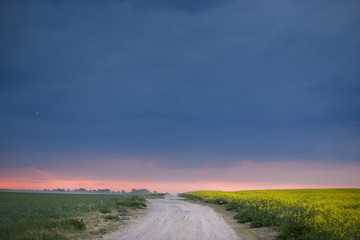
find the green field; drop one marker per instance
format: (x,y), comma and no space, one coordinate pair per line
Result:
(43,216)
(306,214)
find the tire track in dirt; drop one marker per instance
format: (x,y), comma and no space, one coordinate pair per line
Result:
(171,219)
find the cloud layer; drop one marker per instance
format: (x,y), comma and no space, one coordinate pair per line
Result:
(182,84)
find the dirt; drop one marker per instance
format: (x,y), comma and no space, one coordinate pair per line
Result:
(97,225)
(174,219)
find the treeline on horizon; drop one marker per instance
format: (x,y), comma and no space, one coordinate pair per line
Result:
(83,190)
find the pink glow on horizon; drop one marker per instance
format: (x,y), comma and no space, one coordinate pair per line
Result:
(125,175)
(118,185)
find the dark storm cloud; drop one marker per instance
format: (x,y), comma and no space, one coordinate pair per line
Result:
(264,80)
(185,5)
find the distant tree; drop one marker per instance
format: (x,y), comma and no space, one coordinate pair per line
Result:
(80,190)
(123,192)
(103,191)
(59,190)
(140,191)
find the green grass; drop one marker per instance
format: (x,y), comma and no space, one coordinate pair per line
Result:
(45,216)
(131,202)
(112,217)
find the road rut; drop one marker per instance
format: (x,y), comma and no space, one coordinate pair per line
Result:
(171,219)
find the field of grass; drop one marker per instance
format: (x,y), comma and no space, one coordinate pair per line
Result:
(40,216)
(297,214)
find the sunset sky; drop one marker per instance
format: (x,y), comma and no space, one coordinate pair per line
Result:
(179,95)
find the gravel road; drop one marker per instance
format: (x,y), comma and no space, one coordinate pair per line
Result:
(173,219)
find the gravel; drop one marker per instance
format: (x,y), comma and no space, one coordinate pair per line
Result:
(173,219)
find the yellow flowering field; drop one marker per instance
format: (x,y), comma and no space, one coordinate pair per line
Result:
(331,213)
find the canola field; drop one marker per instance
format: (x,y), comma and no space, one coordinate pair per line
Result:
(298,214)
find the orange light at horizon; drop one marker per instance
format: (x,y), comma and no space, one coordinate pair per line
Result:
(173,187)
(246,176)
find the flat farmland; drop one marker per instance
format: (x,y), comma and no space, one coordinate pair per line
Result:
(311,214)
(296,214)
(40,216)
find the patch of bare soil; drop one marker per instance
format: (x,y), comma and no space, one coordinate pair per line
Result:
(101,224)
(175,219)
(170,219)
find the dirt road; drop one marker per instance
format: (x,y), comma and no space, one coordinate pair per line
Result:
(172,219)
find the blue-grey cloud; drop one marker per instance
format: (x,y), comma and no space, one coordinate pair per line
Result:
(264,81)
(186,5)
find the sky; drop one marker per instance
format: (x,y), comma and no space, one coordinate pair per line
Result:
(179,95)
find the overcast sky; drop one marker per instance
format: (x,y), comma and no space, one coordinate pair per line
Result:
(180,84)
